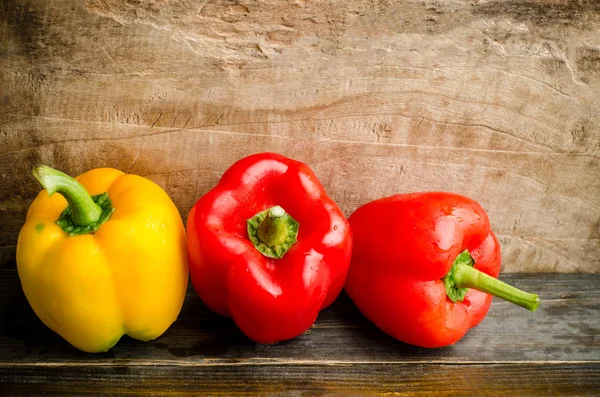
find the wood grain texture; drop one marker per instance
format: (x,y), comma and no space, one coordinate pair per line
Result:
(306,380)
(497,100)
(564,329)
(554,351)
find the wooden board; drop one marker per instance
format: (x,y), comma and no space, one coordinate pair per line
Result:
(554,351)
(299,380)
(497,99)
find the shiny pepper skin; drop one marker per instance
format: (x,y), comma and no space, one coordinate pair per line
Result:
(129,277)
(270,299)
(403,246)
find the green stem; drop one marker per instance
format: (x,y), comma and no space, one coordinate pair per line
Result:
(272,232)
(273,229)
(84,211)
(465,276)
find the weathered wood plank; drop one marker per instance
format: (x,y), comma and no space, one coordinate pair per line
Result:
(495,99)
(355,379)
(565,328)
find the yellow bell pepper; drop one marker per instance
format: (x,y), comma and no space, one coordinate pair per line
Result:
(96,268)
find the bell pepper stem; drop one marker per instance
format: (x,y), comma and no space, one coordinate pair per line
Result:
(272,232)
(465,276)
(273,229)
(84,211)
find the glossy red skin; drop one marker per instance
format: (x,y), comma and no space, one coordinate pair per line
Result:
(403,246)
(269,299)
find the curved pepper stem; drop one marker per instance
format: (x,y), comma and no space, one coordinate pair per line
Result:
(272,232)
(84,213)
(463,275)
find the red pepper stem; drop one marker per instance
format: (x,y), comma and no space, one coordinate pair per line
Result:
(84,211)
(465,276)
(273,230)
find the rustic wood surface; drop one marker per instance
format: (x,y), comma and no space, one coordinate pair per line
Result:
(495,99)
(554,351)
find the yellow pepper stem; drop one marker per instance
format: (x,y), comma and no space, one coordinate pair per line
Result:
(84,213)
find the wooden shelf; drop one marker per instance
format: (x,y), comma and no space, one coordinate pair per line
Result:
(554,351)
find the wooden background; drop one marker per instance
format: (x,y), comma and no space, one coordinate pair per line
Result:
(497,100)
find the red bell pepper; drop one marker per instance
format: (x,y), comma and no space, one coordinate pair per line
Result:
(412,270)
(268,247)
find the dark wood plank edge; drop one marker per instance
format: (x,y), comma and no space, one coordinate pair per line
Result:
(559,379)
(274,362)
